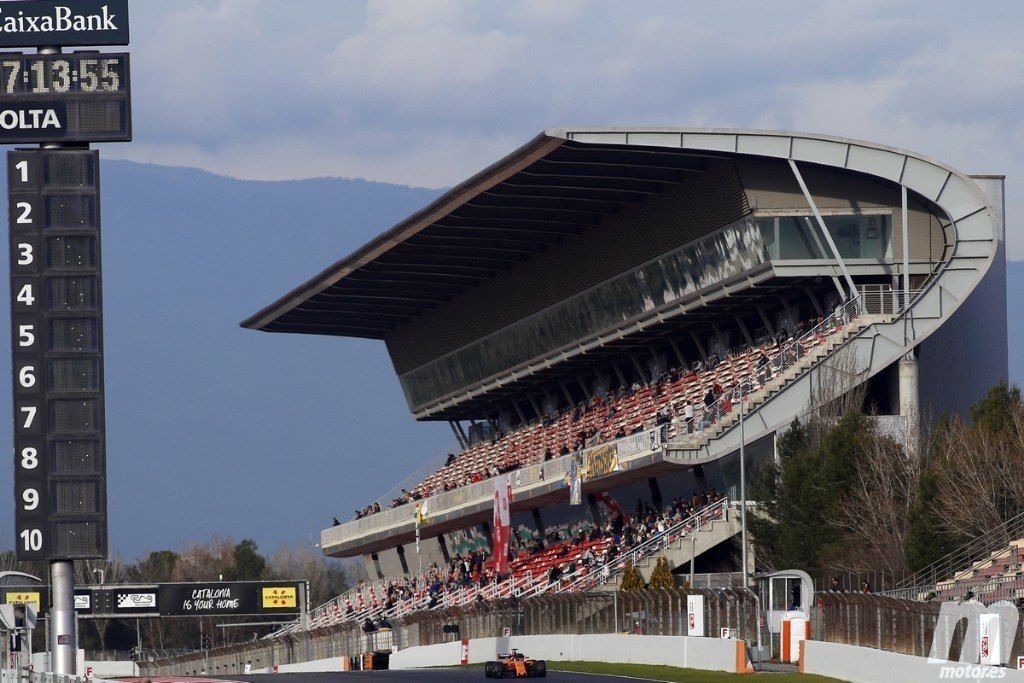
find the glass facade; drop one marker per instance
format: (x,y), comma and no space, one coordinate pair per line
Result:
(669,279)
(860,236)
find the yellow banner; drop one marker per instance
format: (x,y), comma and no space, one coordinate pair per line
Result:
(278,597)
(21,598)
(601,460)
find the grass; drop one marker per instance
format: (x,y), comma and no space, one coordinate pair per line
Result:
(675,675)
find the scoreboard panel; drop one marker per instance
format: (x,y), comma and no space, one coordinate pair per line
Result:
(57,354)
(76,97)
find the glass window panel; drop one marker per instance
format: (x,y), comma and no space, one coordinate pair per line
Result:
(735,249)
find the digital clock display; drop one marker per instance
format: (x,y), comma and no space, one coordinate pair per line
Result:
(56,74)
(72,97)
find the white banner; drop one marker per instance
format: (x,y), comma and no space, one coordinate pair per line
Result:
(640,444)
(695,615)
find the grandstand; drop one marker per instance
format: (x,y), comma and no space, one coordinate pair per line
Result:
(615,300)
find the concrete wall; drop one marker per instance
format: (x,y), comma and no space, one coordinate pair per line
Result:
(715,654)
(105,669)
(868,665)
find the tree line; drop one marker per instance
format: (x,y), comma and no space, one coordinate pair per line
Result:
(845,495)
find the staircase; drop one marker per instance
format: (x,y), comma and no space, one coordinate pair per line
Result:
(683,548)
(680,543)
(968,562)
(805,363)
(812,351)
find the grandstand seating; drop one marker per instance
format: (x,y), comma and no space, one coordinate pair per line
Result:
(999,576)
(636,410)
(528,574)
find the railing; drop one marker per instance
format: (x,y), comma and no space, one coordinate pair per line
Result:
(896,625)
(986,589)
(521,586)
(598,575)
(749,383)
(28,676)
(961,559)
(647,612)
(871,299)
(631,446)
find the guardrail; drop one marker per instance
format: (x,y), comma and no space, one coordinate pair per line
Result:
(631,446)
(648,612)
(962,559)
(871,299)
(28,676)
(714,511)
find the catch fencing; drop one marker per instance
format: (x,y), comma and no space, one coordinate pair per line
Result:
(648,612)
(866,620)
(893,624)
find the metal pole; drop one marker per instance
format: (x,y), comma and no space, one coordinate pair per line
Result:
(905,216)
(615,609)
(824,228)
(419,558)
(743,494)
(693,554)
(63,638)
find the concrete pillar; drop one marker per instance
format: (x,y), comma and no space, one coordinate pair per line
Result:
(910,399)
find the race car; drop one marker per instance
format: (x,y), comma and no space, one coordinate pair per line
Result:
(516,665)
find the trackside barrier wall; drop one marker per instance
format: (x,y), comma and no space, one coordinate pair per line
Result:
(649,612)
(868,665)
(715,654)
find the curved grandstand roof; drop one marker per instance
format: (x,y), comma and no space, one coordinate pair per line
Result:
(555,186)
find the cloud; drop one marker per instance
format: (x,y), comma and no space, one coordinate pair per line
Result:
(413,51)
(427,93)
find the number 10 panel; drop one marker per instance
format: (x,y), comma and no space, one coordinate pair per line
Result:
(57,354)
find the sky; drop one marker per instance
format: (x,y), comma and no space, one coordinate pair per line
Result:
(217,430)
(425,93)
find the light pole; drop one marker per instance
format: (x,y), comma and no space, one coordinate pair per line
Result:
(743,494)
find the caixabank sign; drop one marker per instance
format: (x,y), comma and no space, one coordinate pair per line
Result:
(52,23)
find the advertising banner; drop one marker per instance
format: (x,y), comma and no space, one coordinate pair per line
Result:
(601,460)
(502,524)
(228,597)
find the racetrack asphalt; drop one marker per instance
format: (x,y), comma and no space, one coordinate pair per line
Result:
(427,675)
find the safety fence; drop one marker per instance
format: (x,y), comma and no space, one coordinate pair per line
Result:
(649,612)
(875,621)
(893,624)
(26,676)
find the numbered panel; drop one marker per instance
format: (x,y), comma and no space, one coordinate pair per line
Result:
(57,354)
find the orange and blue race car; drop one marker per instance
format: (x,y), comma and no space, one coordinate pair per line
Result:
(516,665)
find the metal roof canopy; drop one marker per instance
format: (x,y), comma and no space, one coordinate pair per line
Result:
(547,190)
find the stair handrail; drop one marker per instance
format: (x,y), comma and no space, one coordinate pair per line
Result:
(964,557)
(711,512)
(790,352)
